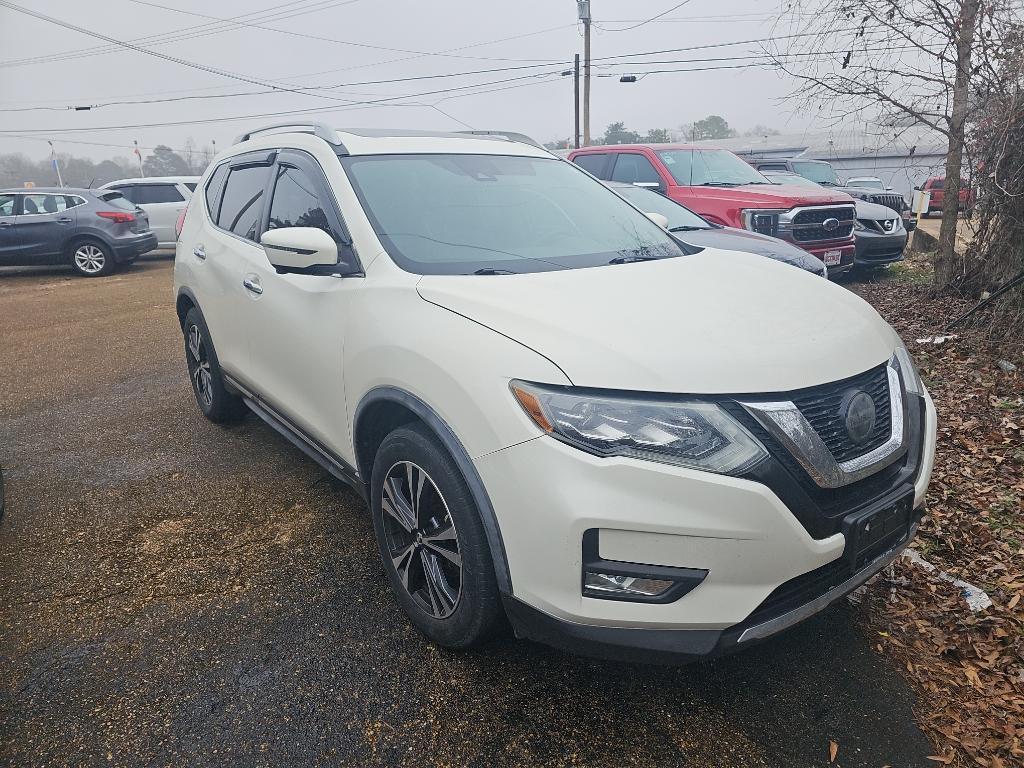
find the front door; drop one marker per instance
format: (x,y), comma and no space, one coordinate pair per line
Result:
(296,322)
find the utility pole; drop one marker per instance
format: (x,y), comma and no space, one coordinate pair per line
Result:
(583,10)
(576,102)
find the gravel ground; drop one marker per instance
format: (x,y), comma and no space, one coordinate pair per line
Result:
(175,593)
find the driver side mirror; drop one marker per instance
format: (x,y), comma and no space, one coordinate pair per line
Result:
(299,247)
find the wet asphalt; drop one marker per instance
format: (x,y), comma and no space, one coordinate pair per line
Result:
(177,593)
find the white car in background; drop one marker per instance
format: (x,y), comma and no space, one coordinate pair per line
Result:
(163,198)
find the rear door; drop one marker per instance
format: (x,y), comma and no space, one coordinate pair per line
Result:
(8,232)
(162,203)
(43,227)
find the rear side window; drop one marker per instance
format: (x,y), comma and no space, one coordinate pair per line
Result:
(771,166)
(117,200)
(157,193)
(632,168)
(214,188)
(596,163)
(6,205)
(936,183)
(242,201)
(33,204)
(73,201)
(128,191)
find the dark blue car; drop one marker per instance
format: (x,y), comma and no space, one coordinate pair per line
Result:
(92,230)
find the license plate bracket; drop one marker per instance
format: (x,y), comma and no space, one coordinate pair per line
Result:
(874,532)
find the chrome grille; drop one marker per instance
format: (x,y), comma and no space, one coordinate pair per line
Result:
(807,223)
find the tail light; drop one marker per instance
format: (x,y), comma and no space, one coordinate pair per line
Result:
(118,217)
(180,223)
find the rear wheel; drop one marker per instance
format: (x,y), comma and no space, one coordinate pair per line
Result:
(214,400)
(92,258)
(432,542)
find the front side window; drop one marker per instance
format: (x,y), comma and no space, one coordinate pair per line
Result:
(466,214)
(191,186)
(633,168)
(242,201)
(33,204)
(823,173)
(6,205)
(158,193)
(296,204)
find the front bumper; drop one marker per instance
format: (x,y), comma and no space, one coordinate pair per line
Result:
(875,249)
(819,251)
(766,571)
(135,245)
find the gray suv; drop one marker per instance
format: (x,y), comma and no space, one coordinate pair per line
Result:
(93,230)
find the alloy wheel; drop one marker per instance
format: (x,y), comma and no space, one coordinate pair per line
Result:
(90,258)
(199,366)
(421,539)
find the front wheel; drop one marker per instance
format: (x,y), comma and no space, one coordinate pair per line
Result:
(432,541)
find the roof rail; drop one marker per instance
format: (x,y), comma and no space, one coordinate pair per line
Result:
(320,130)
(521,138)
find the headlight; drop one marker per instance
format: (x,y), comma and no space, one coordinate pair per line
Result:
(763,220)
(690,434)
(911,377)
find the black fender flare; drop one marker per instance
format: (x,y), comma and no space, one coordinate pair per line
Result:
(461,457)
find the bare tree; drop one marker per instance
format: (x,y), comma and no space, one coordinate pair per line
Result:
(897,63)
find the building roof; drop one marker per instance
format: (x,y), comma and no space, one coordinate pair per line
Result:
(839,144)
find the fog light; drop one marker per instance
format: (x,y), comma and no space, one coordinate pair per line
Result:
(611,584)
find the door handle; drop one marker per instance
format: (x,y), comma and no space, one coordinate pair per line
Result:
(199,252)
(252,284)
(5,223)
(65,220)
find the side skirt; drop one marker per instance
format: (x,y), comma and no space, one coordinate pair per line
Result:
(323,456)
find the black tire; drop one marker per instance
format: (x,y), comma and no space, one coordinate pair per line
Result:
(91,258)
(447,521)
(213,398)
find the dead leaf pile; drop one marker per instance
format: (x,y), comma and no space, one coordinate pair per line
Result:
(968,668)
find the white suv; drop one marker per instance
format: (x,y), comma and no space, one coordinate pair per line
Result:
(559,415)
(163,198)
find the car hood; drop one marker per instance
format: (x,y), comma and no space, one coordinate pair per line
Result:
(714,322)
(783,196)
(730,239)
(866,210)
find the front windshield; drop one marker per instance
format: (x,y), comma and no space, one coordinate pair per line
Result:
(679,218)
(709,168)
(485,214)
(823,173)
(866,183)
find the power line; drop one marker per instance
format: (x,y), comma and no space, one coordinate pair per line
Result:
(266,14)
(648,21)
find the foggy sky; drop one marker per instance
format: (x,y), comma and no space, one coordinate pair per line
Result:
(539,108)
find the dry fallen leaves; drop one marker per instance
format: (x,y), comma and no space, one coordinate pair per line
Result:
(833,750)
(968,668)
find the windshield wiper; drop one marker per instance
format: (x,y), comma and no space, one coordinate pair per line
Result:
(687,228)
(719,184)
(630,259)
(493,271)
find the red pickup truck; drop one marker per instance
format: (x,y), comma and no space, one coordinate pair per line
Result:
(725,190)
(937,186)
